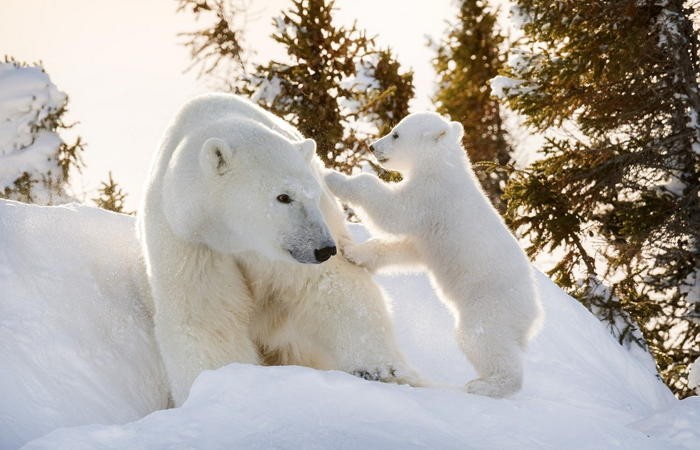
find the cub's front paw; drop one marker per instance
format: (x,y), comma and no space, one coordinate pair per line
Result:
(361,255)
(336,182)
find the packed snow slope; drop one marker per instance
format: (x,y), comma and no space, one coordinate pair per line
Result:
(76,348)
(76,345)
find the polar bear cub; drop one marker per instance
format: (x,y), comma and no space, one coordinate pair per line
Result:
(440,218)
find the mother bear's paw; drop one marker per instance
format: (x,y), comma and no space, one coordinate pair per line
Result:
(390,375)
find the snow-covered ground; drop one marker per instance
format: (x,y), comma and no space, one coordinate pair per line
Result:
(77,349)
(75,344)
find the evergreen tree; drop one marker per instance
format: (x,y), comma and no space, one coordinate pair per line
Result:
(217,45)
(621,199)
(36,162)
(111,196)
(335,87)
(467,58)
(384,101)
(309,86)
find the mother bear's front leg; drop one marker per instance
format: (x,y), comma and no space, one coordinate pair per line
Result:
(353,324)
(201,322)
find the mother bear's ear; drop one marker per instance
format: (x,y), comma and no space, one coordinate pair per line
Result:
(216,157)
(307,147)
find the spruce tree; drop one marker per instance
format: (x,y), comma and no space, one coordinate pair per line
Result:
(335,86)
(620,196)
(36,161)
(468,57)
(386,101)
(321,54)
(111,196)
(218,45)
(382,103)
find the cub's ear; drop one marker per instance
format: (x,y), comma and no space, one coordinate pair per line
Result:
(216,157)
(457,130)
(441,133)
(307,147)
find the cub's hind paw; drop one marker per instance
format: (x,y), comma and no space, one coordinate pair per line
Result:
(493,387)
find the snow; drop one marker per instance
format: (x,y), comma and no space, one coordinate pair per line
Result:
(694,376)
(501,84)
(364,78)
(696,147)
(678,424)
(284,27)
(75,343)
(668,24)
(518,17)
(267,91)
(77,349)
(27,98)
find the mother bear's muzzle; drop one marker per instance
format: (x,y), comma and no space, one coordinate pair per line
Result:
(323,254)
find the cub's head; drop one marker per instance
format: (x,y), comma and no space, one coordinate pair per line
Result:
(237,186)
(416,139)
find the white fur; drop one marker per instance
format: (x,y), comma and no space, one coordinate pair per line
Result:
(224,256)
(441,219)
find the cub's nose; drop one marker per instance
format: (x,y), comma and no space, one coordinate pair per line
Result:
(371,148)
(322,254)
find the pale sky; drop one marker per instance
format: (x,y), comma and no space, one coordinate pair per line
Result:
(121,63)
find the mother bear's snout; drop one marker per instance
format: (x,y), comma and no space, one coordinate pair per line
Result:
(323,254)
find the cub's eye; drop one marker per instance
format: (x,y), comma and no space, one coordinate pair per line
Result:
(395,135)
(284,198)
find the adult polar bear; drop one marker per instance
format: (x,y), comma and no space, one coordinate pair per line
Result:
(233,214)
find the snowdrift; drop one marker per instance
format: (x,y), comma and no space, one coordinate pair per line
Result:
(76,347)
(75,343)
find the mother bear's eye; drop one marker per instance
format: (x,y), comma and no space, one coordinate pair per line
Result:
(395,135)
(284,198)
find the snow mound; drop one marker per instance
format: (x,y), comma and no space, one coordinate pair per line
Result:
(678,424)
(77,349)
(241,406)
(75,343)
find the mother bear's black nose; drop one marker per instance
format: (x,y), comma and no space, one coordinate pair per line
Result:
(322,254)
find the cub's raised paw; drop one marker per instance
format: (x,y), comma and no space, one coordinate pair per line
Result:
(336,182)
(359,254)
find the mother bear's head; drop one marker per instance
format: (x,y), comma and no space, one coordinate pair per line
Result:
(237,186)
